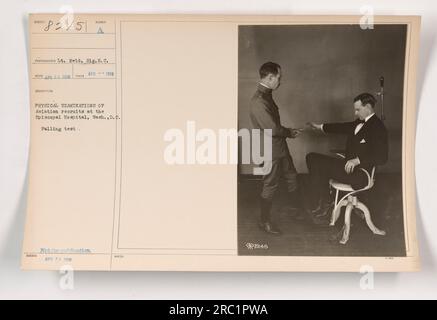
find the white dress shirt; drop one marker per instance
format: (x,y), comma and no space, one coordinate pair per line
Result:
(360,125)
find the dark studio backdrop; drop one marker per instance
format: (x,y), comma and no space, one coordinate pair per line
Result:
(323,69)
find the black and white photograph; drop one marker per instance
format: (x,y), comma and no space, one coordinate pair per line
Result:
(240,152)
(331,99)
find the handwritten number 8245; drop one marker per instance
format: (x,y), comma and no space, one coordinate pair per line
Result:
(51,25)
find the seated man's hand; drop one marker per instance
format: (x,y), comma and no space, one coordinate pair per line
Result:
(294,132)
(350,165)
(314,126)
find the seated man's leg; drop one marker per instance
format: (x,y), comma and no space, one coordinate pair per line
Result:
(357,179)
(322,168)
(335,169)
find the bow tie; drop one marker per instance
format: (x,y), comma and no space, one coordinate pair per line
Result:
(361,121)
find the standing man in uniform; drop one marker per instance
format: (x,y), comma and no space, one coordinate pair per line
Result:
(264,114)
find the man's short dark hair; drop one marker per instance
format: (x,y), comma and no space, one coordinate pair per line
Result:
(366,98)
(269,68)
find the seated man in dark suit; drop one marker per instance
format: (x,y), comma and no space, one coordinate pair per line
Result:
(366,146)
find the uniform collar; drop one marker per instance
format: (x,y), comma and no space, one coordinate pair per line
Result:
(263,89)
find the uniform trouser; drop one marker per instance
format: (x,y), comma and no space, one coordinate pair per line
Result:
(281,168)
(322,168)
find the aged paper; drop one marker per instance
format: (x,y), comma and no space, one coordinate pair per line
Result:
(106,91)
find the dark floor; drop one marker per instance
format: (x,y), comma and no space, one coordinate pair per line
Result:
(300,238)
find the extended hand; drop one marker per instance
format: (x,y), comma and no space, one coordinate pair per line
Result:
(350,165)
(294,132)
(314,126)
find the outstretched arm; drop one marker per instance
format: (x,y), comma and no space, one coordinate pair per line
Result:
(341,128)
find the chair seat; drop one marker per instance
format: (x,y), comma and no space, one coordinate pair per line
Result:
(341,186)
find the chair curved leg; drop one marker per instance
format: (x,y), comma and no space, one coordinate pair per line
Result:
(369,222)
(336,211)
(347,224)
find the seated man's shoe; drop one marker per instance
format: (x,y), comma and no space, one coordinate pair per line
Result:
(313,218)
(325,209)
(320,222)
(269,228)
